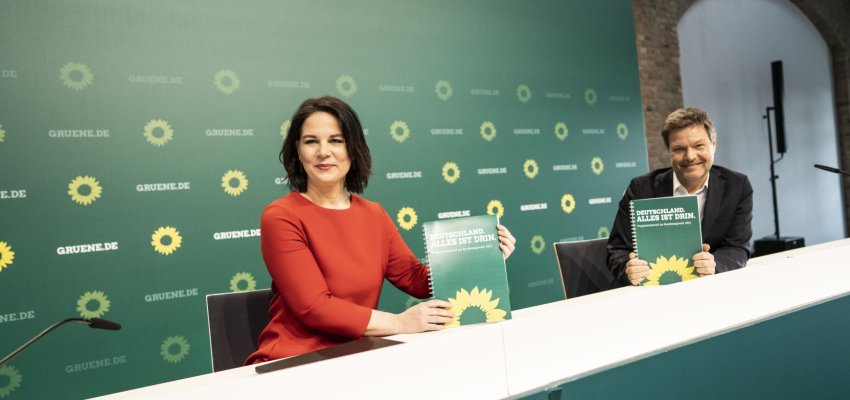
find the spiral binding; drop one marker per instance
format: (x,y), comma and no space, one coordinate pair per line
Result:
(634,231)
(428,260)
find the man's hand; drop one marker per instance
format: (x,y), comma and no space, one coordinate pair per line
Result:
(704,261)
(637,269)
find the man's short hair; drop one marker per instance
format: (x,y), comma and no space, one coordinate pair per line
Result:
(686,117)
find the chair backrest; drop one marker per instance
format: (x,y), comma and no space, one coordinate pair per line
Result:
(584,266)
(235,321)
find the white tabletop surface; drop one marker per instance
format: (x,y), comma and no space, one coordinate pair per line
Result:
(549,344)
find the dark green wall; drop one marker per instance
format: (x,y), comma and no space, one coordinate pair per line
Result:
(170,69)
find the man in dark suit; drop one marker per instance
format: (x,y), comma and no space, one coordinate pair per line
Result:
(725,200)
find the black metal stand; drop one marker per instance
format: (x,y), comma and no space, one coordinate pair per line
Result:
(773,176)
(775,243)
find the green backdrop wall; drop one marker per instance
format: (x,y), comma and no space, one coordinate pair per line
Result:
(139,140)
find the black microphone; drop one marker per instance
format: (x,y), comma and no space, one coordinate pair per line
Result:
(831,169)
(95,323)
(98,323)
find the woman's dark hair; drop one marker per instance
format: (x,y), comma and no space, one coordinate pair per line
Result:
(355,142)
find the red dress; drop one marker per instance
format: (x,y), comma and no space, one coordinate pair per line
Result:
(327,268)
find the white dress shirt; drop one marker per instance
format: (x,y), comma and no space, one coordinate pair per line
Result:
(679,190)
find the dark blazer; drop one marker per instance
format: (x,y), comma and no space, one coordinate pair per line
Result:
(726,222)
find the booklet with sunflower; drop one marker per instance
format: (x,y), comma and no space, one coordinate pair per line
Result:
(666,233)
(467,268)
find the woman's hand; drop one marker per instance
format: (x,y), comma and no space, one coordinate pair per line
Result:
(429,315)
(507,242)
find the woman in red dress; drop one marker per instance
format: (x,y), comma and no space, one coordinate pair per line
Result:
(328,250)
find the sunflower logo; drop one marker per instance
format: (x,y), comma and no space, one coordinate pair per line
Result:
(406,218)
(284,128)
(488,130)
(174,349)
(475,306)
(597,165)
(158,132)
(346,86)
(530,168)
(523,93)
(76,76)
(13,380)
(622,131)
(2,134)
(495,207)
(603,232)
(234,182)
(665,271)
(399,131)
(242,282)
(444,90)
(226,81)
(590,96)
(537,244)
(84,190)
(7,256)
(95,299)
(166,240)
(561,130)
(568,203)
(451,172)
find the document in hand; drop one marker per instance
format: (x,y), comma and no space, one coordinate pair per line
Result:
(666,233)
(467,268)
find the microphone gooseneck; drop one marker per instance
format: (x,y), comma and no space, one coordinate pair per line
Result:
(96,323)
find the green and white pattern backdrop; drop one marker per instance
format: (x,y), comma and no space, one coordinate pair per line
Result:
(139,141)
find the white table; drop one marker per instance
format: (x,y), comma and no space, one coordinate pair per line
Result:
(527,353)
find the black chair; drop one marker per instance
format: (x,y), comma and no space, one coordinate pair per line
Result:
(235,321)
(584,266)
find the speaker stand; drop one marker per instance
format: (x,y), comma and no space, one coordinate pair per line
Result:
(775,243)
